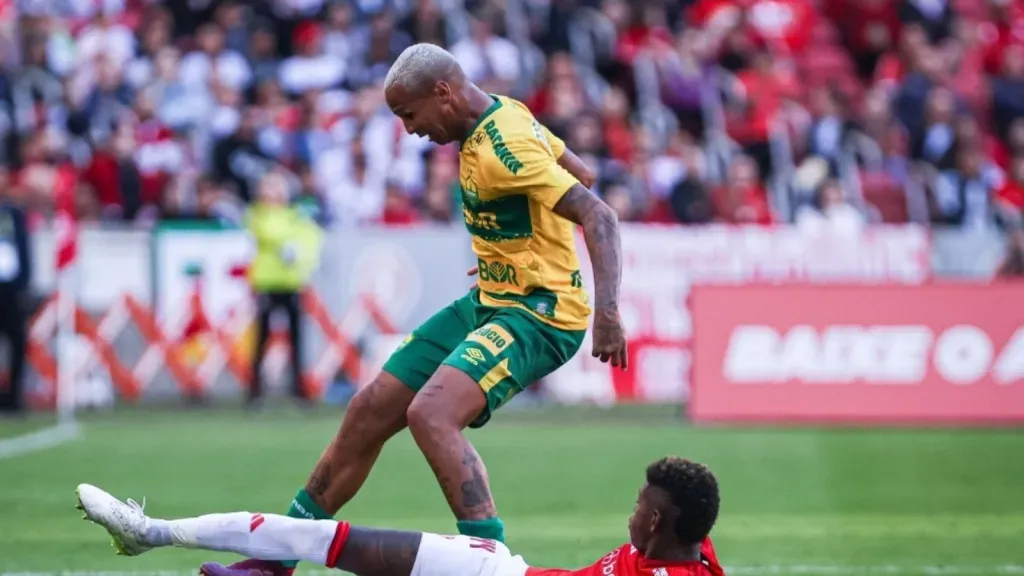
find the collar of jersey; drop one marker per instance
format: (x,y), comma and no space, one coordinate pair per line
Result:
(494,108)
(646,562)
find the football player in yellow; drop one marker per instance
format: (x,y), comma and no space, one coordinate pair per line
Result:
(523,194)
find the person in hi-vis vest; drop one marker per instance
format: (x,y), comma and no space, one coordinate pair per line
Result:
(287,252)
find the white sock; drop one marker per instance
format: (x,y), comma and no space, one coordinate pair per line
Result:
(260,536)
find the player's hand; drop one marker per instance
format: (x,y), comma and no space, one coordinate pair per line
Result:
(472,272)
(610,338)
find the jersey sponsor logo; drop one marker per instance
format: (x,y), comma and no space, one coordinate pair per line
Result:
(481,220)
(608,562)
(498,219)
(497,272)
(492,337)
(895,355)
(576,279)
(504,155)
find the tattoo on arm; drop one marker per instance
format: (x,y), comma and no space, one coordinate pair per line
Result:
(372,552)
(601,232)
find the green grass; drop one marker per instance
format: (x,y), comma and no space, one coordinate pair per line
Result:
(565,481)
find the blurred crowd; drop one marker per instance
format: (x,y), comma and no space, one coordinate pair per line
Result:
(835,113)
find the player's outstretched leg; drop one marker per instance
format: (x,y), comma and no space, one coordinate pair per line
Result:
(449,402)
(361,551)
(375,414)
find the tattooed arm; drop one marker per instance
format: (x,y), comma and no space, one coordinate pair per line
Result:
(577,167)
(601,232)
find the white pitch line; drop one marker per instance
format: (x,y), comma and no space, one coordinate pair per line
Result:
(39,440)
(751,570)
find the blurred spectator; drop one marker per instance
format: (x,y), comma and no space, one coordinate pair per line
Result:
(311,68)
(489,60)
(212,62)
(425,23)
(830,211)
(238,160)
(690,201)
(1008,90)
(1013,263)
(742,200)
(935,16)
(15,271)
(963,195)
(934,141)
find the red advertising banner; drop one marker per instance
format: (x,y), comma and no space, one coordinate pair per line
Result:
(894,354)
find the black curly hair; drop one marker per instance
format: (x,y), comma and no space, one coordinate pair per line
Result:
(693,489)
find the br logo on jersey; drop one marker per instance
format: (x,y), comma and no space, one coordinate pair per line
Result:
(497,272)
(504,155)
(492,337)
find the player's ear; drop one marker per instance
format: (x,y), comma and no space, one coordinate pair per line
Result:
(656,519)
(443,91)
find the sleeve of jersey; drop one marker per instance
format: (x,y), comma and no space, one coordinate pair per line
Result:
(527,167)
(557,145)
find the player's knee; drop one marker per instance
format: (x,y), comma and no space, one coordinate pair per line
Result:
(379,408)
(428,416)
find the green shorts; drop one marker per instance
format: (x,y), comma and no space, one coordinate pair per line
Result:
(505,350)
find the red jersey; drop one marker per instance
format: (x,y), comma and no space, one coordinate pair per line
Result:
(628,561)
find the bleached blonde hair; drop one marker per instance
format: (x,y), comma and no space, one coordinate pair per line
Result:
(420,65)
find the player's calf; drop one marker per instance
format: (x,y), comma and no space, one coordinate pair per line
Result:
(449,402)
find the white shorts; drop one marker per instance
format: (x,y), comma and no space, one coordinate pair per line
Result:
(465,556)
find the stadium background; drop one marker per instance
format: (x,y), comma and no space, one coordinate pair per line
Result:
(821,215)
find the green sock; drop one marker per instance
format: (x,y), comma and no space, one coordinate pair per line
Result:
(491,528)
(304,507)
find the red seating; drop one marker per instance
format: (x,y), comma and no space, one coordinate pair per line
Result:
(886,195)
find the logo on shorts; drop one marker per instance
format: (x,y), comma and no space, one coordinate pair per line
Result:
(404,342)
(474,356)
(492,337)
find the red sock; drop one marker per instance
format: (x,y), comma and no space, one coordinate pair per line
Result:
(338,544)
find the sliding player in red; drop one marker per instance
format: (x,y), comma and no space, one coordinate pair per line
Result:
(675,511)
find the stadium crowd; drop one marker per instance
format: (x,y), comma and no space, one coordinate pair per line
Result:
(828,113)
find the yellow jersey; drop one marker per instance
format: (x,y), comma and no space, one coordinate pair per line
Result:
(511,181)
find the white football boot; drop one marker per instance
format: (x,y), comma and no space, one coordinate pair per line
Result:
(126,522)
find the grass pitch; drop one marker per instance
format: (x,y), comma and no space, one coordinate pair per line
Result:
(795,501)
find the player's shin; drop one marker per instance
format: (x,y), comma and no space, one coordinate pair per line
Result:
(261,536)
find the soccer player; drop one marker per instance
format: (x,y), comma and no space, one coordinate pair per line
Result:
(668,532)
(522,197)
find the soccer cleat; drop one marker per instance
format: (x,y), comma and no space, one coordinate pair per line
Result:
(125,522)
(249,567)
